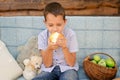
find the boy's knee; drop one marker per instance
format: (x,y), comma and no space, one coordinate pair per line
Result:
(73,75)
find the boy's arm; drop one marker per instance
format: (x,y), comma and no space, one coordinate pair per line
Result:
(69,57)
(47,57)
(47,54)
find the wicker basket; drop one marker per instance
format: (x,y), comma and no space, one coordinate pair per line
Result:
(97,72)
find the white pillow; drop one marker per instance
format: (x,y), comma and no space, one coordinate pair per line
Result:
(9,69)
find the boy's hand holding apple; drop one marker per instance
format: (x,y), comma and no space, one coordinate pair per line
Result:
(57,40)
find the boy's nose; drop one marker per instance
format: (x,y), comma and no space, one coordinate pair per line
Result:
(55,29)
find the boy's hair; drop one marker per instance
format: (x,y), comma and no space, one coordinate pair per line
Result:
(55,9)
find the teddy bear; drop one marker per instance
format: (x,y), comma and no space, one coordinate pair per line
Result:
(32,67)
(25,51)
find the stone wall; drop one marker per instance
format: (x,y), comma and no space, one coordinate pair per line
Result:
(72,7)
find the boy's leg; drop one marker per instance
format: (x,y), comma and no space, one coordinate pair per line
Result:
(69,75)
(45,76)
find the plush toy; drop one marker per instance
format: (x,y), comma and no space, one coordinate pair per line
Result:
(25,51)
(32,67)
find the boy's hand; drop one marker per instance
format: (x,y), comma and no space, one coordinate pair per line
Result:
(61,42)
(52,45)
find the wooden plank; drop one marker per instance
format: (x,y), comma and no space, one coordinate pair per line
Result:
(72,7)
(14,13)
(40,6)
(4,6)
(36,13)
(27,6)
(94,12)
(87,12)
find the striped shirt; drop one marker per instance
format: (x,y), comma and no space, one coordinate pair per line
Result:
(58,56)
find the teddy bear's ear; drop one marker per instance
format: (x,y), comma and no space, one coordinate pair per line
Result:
(31,42)
(20,48)
(26,62)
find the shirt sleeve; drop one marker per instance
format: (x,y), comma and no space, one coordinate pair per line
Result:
(41,42)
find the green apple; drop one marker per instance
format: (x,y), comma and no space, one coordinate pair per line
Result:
(110,62)
(110,67)
(102,62)
(94,61)
(96,58)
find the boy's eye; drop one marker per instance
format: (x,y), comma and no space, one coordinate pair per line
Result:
(58,24)
(50,25)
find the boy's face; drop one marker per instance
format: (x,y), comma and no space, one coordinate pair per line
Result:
(55,23)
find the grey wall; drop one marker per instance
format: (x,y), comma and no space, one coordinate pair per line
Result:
(95,34)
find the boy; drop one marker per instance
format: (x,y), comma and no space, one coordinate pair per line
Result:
(59,59)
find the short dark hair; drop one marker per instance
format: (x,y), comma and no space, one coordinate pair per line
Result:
(55,9)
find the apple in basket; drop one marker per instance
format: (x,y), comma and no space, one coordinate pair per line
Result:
(94,61)
(102,62)
(97,58)
(110,63)
(107,62)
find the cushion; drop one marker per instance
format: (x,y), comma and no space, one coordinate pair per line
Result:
(9,69)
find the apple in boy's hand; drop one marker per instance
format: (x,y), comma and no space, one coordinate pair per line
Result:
(54,36)
(96,57)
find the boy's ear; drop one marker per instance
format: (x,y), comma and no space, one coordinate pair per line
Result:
(65,21)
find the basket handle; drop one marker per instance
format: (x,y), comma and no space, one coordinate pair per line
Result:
(104,54)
